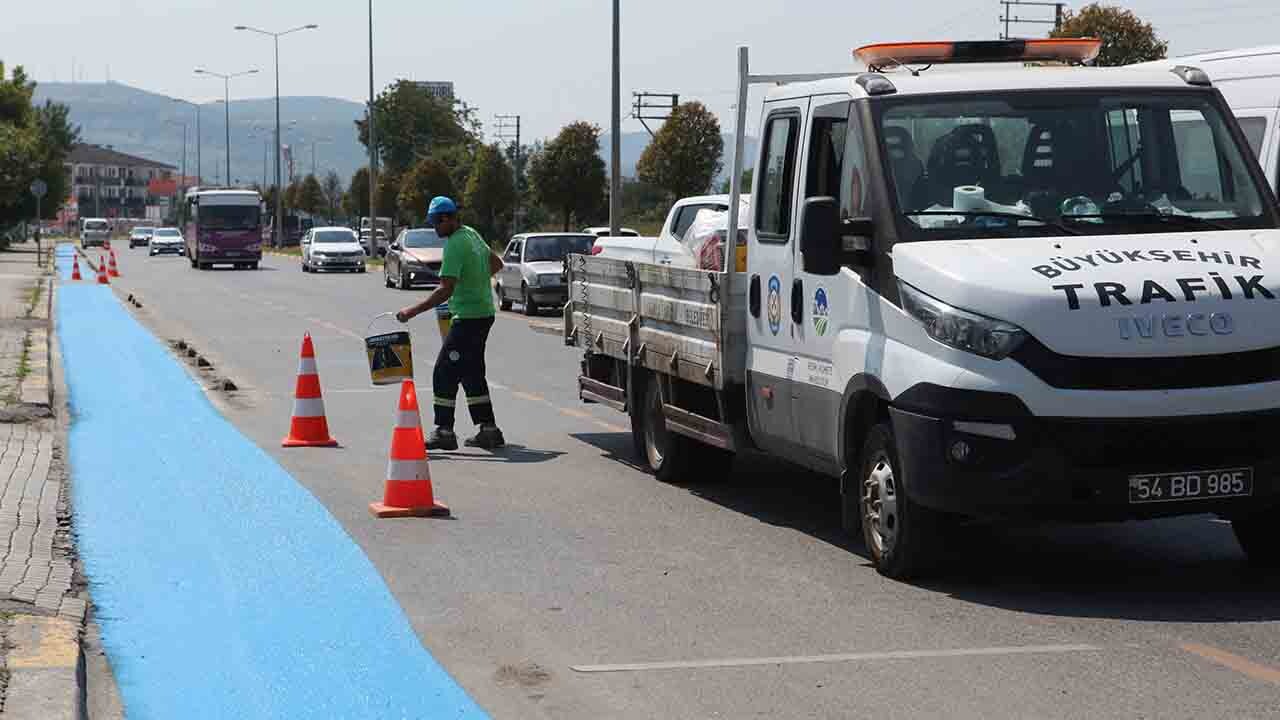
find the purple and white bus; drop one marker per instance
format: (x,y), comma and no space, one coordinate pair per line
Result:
(224,227)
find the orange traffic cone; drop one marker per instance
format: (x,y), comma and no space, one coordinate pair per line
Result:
(75,267)
(408,492)
(102,271)
(308,428)
(112,270)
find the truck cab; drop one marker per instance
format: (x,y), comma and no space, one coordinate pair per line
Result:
(1016,293)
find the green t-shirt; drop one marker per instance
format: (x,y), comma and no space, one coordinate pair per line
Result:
(466,259)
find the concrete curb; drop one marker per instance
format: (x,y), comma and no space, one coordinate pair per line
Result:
(46,669)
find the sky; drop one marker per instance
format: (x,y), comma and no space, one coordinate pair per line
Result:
(546,61)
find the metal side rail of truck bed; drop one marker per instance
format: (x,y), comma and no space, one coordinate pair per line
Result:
(678,323)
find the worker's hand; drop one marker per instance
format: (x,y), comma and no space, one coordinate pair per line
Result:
(405,315)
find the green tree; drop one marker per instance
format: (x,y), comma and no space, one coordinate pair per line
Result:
(568,175)
(389,195)
(684,156)
(1126,39)
(356,202)
(310,196)
(747,176)
(491,194)
(428,178)
(411,123)
(34,142)
(332,187)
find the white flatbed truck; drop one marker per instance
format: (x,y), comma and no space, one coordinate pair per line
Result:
(1036,291)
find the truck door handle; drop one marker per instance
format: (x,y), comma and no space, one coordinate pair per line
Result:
(753,296)
(797,300)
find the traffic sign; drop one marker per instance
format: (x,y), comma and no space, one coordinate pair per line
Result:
(39,188)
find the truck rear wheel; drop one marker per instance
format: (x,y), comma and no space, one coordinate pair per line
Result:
(1259,535)
(665,452)
(902,537)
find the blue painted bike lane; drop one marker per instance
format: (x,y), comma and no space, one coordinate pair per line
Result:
(223,588)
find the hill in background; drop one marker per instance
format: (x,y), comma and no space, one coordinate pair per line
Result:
(142,123)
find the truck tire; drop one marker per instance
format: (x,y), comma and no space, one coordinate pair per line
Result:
(667,454)
(903,538)
(503,303)
(530,307)
(1259,536)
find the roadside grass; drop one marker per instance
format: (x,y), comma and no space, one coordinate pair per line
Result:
(37,291)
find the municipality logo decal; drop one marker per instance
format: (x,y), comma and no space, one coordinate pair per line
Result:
(775,304)
(821,311)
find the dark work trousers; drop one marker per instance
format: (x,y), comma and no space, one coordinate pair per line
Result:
(461,360)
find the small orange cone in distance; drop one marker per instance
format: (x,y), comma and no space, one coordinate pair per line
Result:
(102,271)
(408,492)
(308,427)
(75,267)
(112,270)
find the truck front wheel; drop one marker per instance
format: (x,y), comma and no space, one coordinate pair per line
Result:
(1259,536)
(902,537)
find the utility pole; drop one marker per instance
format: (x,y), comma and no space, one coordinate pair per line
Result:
(643,108)
(615,152)
(503,132)
(1009,18)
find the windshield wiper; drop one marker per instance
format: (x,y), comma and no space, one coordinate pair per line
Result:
(996,214)
(1147,216)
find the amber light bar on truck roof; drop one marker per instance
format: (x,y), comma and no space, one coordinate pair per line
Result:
(1072,50)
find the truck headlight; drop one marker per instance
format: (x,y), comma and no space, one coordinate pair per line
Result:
(978,334)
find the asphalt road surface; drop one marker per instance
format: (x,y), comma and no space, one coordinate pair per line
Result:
(571,584)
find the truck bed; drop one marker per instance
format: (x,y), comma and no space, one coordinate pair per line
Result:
(673,321)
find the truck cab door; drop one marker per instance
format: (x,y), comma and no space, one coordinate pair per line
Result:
(824,306)
(770,360)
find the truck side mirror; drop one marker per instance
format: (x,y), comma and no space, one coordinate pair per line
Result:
(819,236)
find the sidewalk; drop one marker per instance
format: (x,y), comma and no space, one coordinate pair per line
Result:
(41,614)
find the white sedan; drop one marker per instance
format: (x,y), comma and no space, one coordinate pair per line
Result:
(332,248)
(166,240)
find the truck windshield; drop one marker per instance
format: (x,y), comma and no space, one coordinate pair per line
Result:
(229,217)
(1089,162)
(540,249)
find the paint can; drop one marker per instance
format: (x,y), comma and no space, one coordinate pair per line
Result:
(390,354)
(444,319)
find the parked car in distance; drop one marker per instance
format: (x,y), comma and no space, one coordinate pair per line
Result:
(94,231)
(534,270)
(604,232)
(140,237)
(165,240)
(414,259)
(332,248)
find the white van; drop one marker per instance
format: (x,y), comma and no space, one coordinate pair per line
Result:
(1021,293)
(1250,81)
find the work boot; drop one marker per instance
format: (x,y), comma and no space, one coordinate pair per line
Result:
(442,439)
(489,438)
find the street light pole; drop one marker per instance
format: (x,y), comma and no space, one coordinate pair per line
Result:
(373,152)
(276,237)
(199,162)
(615,154)
(182,186)
(226,94)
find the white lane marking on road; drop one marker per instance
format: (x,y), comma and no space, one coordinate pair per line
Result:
(839,657)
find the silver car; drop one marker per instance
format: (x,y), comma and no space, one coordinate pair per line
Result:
(166,240)
(534,271)
(332,248)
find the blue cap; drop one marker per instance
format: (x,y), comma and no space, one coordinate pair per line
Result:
(441,205)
